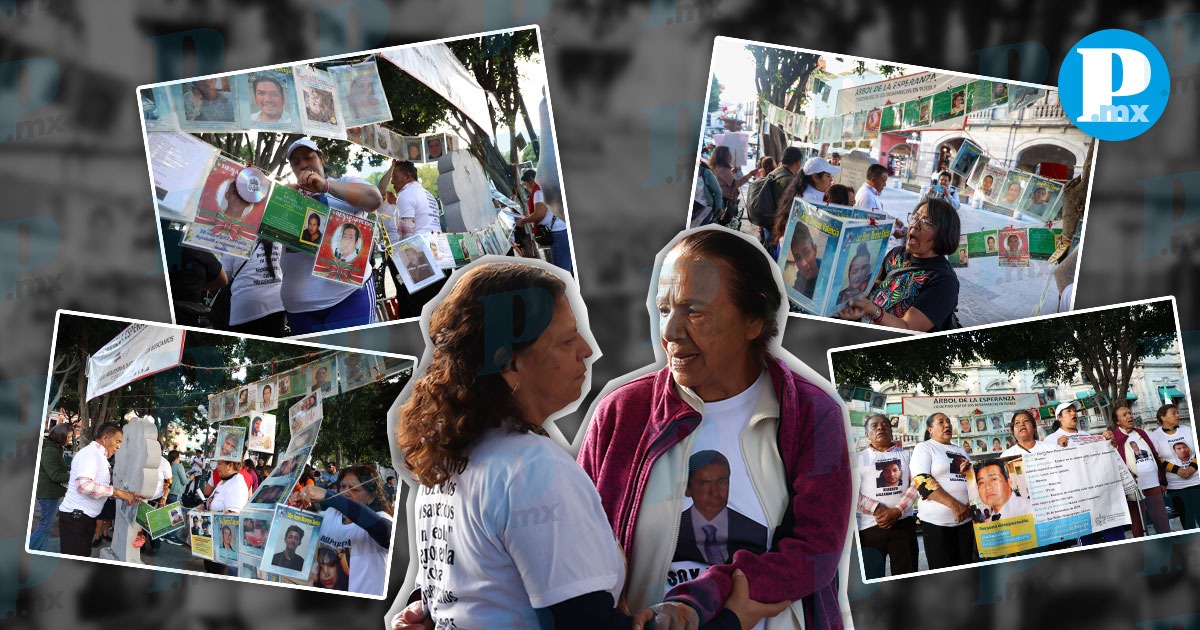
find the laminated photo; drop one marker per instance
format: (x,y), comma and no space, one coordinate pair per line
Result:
(345,255)
(262,433)
(1044,199)
(268,100)
(966,158)
(960,257)
(267,395)
(253,527)
(200,525)
(247,399)
(435,146)
(157,113)
(294,220)
(356,370)
(414,149)
(416,263)
(361,91)
(226,539)
(231,442)
(207,105)
(305,412)
(1014,247)
(320,108)
(179,165)
(321,377)
(1013,192)
(279,484)
(982,244)
(292,543)
(226,222)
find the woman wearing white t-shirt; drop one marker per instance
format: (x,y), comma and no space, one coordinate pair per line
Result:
(229,496)
(939,470)
(1139,454)
(1176,448)
(357,525)
(510,532)
(539,214)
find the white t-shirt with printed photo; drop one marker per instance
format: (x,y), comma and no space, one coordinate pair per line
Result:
(1165,444)
(942,462)
(368,560)
(872,482)
(519,528)
(303,292)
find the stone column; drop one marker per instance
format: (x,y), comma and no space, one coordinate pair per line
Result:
(135,470)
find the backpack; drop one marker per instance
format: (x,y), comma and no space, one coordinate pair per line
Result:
(192,497)
(760,201)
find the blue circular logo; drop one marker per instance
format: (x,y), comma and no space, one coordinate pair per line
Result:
(1114,85)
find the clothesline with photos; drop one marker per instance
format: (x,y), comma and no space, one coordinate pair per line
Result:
(1032,195)
(227,206)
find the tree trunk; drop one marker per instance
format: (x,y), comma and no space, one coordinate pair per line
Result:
(533,137)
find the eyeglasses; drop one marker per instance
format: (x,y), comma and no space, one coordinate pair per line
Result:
(921,222)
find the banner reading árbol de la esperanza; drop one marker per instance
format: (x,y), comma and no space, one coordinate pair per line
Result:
(1038,499)
(137,352)
(958,406)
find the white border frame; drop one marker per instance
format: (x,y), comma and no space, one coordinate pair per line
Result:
(42,437)
(700,147)
(549,109)
(981,562)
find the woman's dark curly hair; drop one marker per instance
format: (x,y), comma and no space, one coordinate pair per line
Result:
(462,393)
(371,482)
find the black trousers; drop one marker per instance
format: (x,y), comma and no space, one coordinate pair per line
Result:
(898,542)
(75,531)
(949,546)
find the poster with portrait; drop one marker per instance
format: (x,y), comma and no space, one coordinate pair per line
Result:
(200,524)
(179,165)
(958,101)
(214,408)
(157,112)
(225,535)
(345,254)
(383,140)
(414,149)
(279,484)
(860,125)
(292,383)
(230,209)
(305,412)
(247,399)
(304,438)
(1044,199)
(471,246)
(294,220)
(860,256)
(322,377)
(435,146)
(229,404)
(291,543)
(443,253)
(231,443)
(961,256)
(1013,192)
(354,134)
(268,100)
(361,92)
(417,265)
(206,105)
(988,181)
(262,433)
(159,521)
(357,369)
(925,111)
(253,527)
(1014,247)
(982,244)
(1022,96)
(320,108)
(873,119)
(964,161)
(268,397)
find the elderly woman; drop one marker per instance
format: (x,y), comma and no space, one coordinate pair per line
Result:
(1176,447)
(1140,455)
(776,504)
(917,288)
(511,530)
(939,469)
(886,525)
(53,474)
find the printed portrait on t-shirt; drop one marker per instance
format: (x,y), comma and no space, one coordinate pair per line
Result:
(710,531)
(1182,451)
(959,464)
(891,474)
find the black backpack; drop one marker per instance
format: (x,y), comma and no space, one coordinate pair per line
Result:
(760,201)
(192,496)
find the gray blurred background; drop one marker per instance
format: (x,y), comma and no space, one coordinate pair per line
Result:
(627,82)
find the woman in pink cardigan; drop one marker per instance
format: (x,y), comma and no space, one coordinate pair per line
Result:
(725,458)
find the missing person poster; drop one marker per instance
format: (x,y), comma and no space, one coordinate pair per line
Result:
(439,244)
(201,528)
(981,244)
(357,369)
(414,149)
(1044,199)
(1038,499)
(157,111)
(1014,247)
(417,265)
(292,542)
(294,220)
(207,105)
(230,209)
(321,376)
(361,92)
(253,527)
(435,146)
(230,443)
(160,521)
(1043,242)
(278,485)
(267,400)
(292,383)
(1015,185)
(960,257)
(987,181)
(247,400)
(268,100)
(262,433)
(346,254)
(179,164)
(305,412)
(226,536)
(964,161)
(320,107)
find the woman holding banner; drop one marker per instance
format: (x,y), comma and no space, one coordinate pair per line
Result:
(917,289)
(529,537)
(939,470)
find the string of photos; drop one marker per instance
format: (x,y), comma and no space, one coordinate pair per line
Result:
(227,205)
(1031,195)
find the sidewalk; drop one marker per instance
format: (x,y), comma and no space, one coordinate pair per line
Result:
(168,556)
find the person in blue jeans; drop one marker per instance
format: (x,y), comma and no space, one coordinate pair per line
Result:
(51,484)
(539,215)
(179,480)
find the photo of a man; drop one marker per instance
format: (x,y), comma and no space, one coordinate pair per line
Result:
(964,425)
(996,494)
(228,446)
(418,268)
(1182,451)
(349,242)
(890,474)
(288,558)
(312,230)
(709,531)
(985,187)
(320,381)
(1012,193)
(209,100)
(227,538)
(269,100)
(414,150)
(991,249)
(803,254)
(318,105)
(434,147)
(1012,243)
(981,424)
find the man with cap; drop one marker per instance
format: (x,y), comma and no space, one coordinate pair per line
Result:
(820,177)
(314,303)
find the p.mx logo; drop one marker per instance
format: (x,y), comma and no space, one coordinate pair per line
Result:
(1114,84)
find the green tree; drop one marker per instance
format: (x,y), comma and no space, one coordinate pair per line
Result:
(1103,347)
(714,94)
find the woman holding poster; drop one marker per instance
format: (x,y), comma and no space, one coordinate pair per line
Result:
(357,523)
(471,433)
(229,496)
(939,468)
(917,289)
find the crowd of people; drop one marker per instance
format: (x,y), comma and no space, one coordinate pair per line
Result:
(898,487)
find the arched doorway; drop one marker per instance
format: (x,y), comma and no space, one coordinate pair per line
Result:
(944,155)
(1030,156)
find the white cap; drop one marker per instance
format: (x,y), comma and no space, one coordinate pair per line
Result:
(820,165)
(302,142)
(1061,406)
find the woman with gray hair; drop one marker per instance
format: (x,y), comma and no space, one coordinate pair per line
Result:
(777,507)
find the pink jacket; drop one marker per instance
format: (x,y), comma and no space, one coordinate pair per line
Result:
(640,421)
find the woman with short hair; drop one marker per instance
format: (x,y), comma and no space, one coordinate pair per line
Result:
(939,472)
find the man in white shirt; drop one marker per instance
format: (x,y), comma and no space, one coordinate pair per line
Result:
(996,493)
(88,488)
(867,198)
(159,498)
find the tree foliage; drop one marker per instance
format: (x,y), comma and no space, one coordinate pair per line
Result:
(1103,348)
(714,94)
